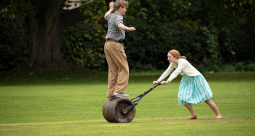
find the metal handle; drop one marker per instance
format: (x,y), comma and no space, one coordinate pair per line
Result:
(142,95)
(138,98)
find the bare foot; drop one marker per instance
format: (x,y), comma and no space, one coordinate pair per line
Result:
(219,117)
(192,117)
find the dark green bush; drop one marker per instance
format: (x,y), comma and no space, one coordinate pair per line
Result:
(147,47)
(83,44)
(13,42)
(244,44)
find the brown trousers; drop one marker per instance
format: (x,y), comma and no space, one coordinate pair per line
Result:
(118,73)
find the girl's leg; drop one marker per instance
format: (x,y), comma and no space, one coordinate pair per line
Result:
(193,114)
(214,108)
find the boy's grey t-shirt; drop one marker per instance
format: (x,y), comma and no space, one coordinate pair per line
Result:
(114,32)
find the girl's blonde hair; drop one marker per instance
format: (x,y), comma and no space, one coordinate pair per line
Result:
(176,54)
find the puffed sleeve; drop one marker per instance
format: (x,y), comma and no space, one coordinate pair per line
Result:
(107,17)
(181,65)
(119,19)
(167,72)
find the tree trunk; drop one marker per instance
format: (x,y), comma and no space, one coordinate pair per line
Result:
(44,31)
(45,43)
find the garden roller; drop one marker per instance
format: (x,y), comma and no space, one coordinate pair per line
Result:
(122,110)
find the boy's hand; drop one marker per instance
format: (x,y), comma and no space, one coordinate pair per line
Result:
(111,5)
(131,29)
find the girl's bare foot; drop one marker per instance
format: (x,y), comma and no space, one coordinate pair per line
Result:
(219,117)
(192,117)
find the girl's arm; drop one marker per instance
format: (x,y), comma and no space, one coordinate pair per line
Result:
(182,64)
(166,73)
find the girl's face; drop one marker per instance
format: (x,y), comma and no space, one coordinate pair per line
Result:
(171,58)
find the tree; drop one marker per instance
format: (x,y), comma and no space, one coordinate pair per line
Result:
(45,21)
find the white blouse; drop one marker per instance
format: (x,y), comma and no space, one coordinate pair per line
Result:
(183,66)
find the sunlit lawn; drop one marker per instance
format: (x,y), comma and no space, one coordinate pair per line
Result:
(73,106)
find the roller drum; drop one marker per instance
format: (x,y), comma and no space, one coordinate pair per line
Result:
(113,110)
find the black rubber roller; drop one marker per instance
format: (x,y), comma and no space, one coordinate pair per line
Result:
(113,110)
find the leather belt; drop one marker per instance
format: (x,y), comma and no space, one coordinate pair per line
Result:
(111,40)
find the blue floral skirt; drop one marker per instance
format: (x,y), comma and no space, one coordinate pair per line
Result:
(193,90)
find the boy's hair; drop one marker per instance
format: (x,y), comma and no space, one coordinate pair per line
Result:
(120,3)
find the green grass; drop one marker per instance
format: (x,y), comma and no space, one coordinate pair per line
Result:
(63,103)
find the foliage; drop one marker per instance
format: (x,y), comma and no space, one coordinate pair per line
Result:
(244,45)
(147,48)
(237,44)
(220,13)
(13,42)
(93,10)
(228,67)
(21,9)
(14,48)
(206,37)
(83,45)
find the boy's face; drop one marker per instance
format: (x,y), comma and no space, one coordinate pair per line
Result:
(122,11)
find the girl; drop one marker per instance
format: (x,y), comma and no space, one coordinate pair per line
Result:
(193,89)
